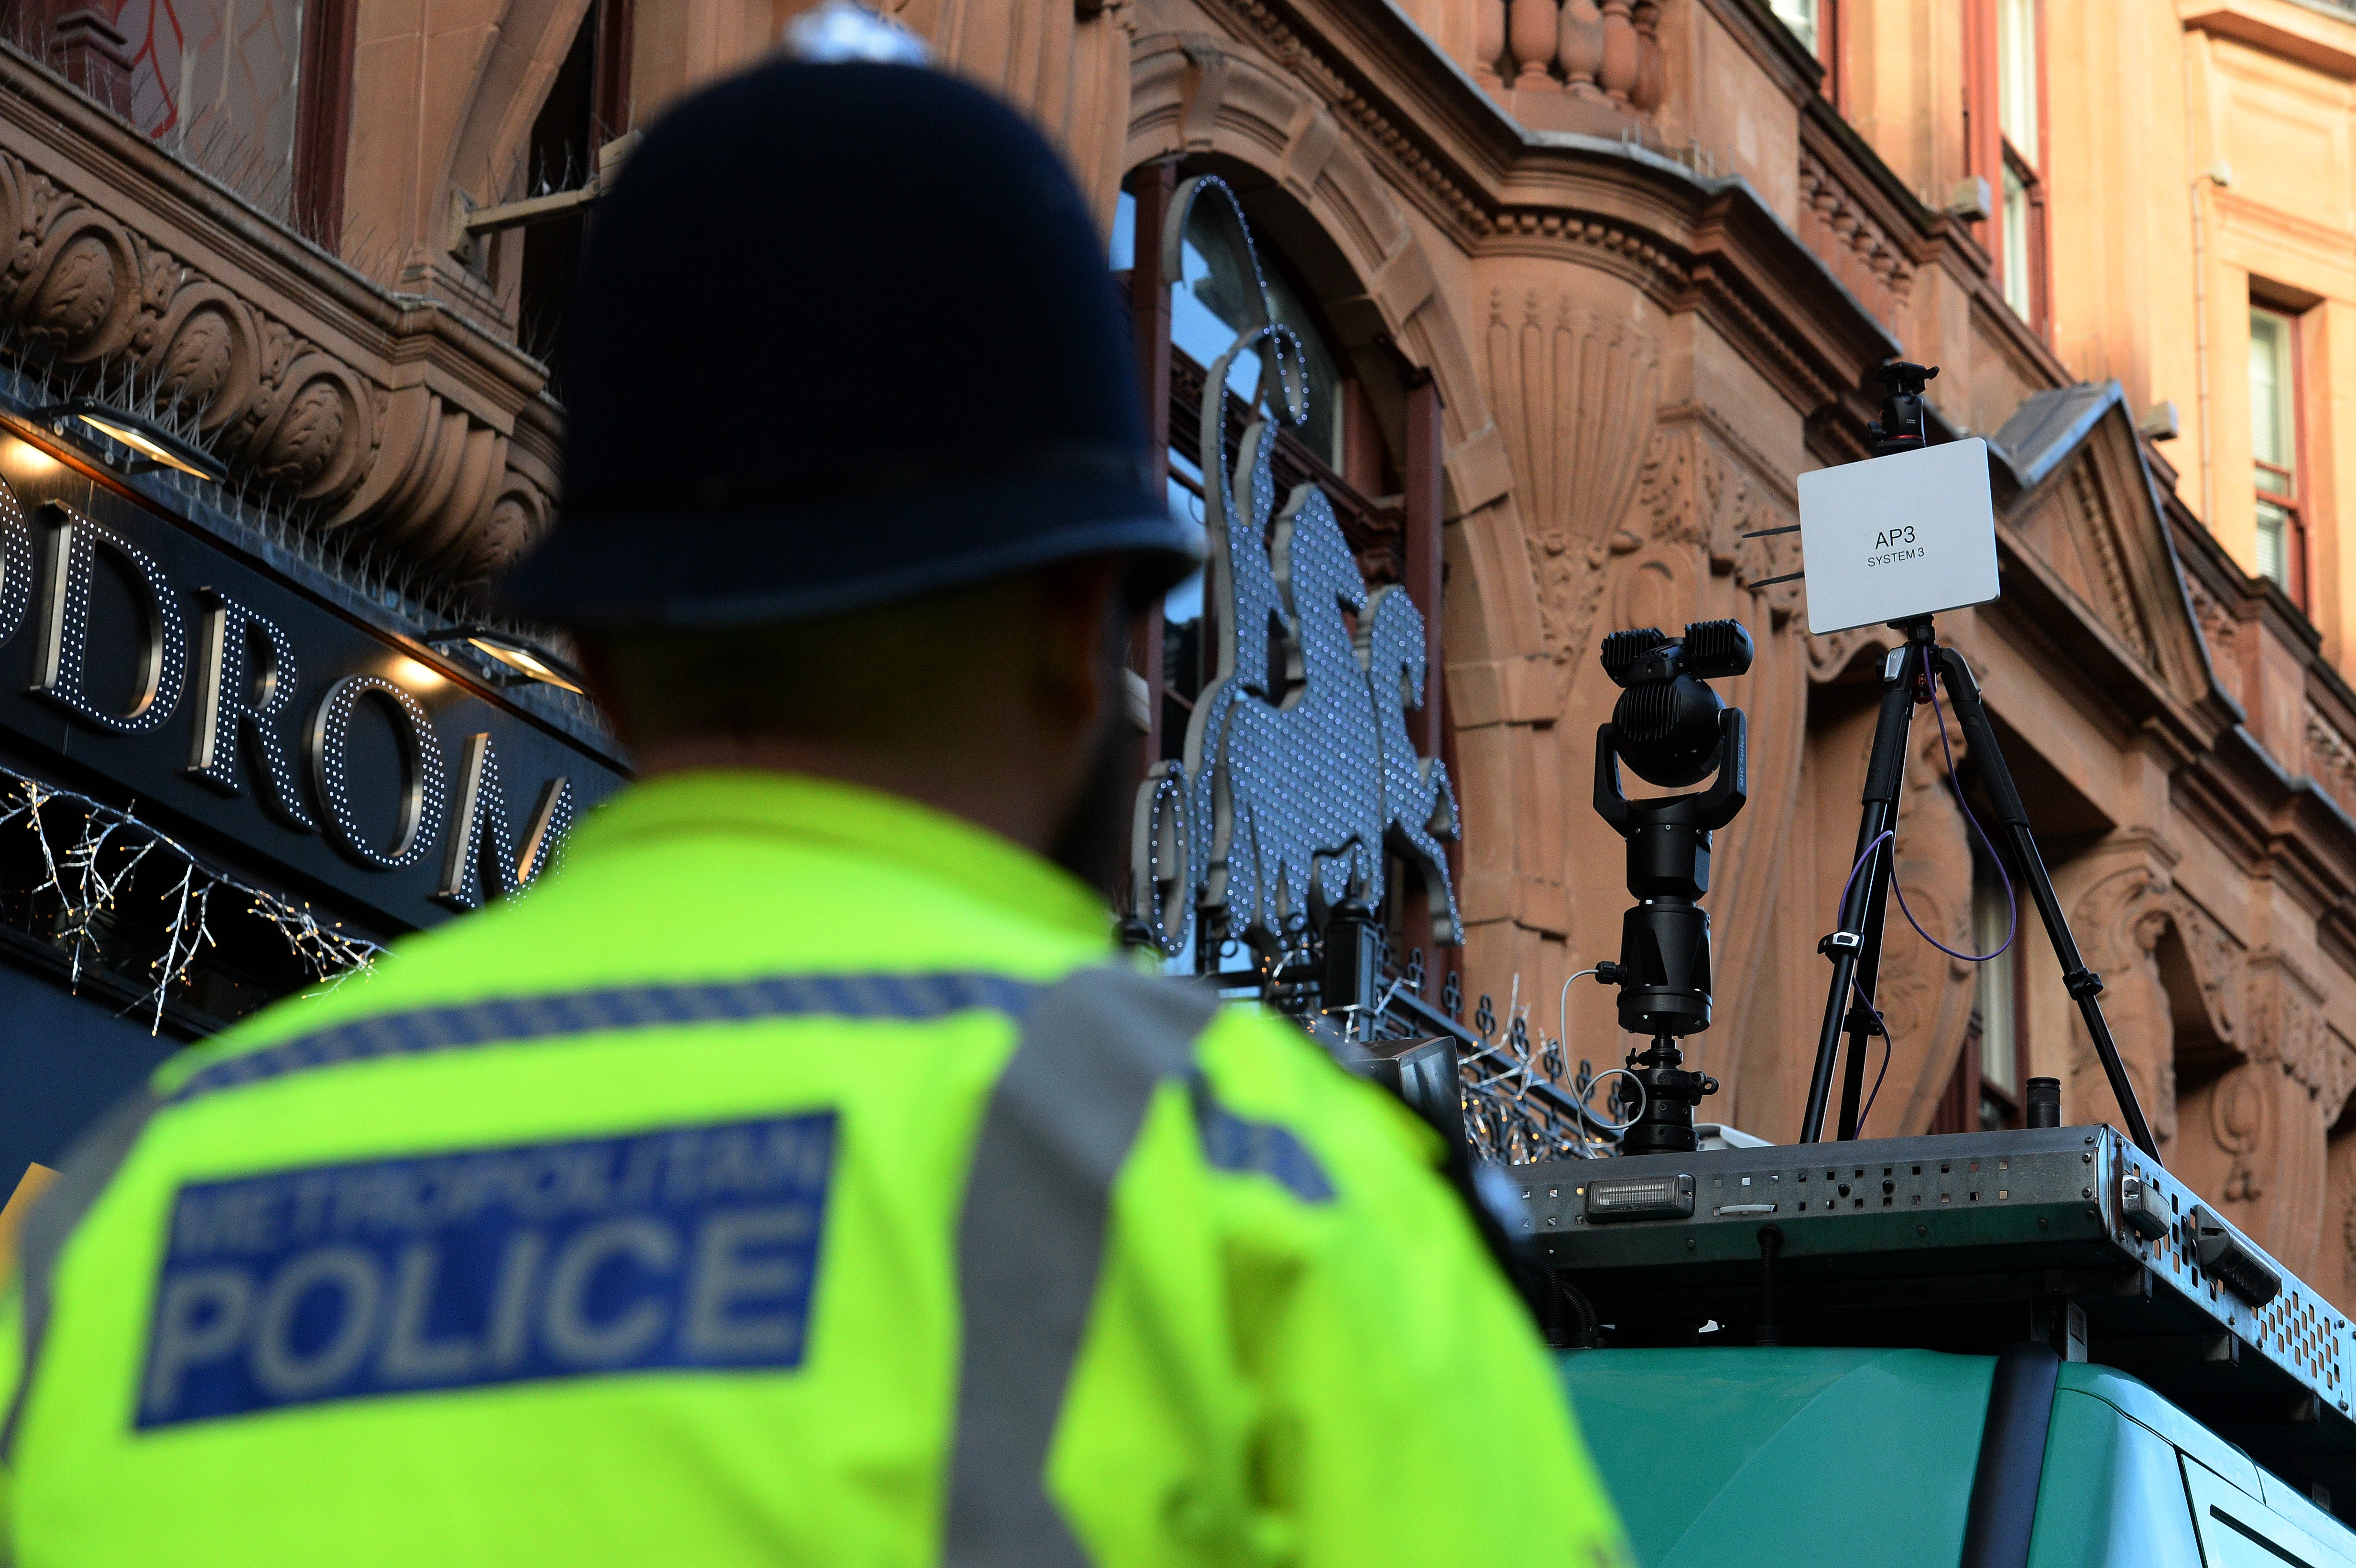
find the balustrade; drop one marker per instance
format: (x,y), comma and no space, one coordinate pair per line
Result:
(1605,53)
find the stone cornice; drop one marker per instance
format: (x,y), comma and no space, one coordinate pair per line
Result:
(2287,817)
(1707,244)
(2315,33)
(1889,236)
(385,418)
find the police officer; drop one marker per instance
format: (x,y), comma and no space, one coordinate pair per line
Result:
(794,1176)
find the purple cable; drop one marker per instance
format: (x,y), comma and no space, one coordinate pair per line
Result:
(2011,901)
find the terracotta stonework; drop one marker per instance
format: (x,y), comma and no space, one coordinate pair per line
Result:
(356,407)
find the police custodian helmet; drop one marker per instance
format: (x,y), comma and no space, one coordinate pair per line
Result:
(844,334)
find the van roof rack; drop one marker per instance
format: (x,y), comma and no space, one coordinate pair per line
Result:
(1965,1242)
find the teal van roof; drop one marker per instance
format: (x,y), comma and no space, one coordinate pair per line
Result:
(1777,1457)
(1788,1457)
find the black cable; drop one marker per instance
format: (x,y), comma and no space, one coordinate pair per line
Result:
(1588,1335)
(1889,1041)
(1771,1242)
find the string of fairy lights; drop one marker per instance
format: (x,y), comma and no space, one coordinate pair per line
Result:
(1521,1100)
(92,867)
(92,855)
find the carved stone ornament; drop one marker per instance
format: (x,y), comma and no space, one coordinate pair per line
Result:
(358,412)
(1576,388)
(1298,779)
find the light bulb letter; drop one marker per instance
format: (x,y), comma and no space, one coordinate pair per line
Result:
(61,657)
(245,680)
(481,858)
(16,557)
(327,746)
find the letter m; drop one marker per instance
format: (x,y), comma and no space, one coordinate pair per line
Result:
(483,856)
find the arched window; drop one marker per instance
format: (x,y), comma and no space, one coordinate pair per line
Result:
(1340,446)
(1211,302)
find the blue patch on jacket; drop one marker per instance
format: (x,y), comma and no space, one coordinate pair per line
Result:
(1233,1144)
(682,1249)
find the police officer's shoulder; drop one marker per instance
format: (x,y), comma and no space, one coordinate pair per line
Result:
(504,948)
(1262,1067)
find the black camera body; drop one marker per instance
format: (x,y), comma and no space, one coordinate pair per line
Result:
(1665,724)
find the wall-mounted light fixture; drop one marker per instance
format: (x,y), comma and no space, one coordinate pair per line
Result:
(506,659)
(157,447)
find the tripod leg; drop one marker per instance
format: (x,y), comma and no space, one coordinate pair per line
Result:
(2085,986)
(1859,1024)
(1884,776)
(1852,1086)
(1820,1081)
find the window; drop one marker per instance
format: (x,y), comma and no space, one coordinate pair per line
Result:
(2273,450)
(1984,1094)
(1211,302)
(1208,304)
(1800,16)
(237,89)
(2007,145)
(2015,55)
(1818,24)
(1184,324)
(587,106)
(2015,227)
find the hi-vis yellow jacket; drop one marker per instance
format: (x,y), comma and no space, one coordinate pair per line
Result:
(791,1179)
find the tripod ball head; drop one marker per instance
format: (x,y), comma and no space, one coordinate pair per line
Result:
(1901,427)
(1665,724)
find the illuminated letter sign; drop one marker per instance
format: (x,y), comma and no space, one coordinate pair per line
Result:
(317,752)
(15,564)
(245,678)
(61,663)
(419,786)
(479,853)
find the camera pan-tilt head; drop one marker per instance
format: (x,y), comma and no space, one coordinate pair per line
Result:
(1854,947)
(1672,730)
(1901,427)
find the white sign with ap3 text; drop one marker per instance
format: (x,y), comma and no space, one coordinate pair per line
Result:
(1898,536)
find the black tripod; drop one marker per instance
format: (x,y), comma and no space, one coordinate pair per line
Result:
(1854,948)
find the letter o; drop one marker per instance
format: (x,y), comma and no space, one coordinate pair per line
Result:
(276,1367)
(324,741)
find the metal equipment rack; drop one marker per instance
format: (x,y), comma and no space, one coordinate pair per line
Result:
(1964,1242)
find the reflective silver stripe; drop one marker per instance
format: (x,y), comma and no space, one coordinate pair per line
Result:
(1059,1129)
(82,1176)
